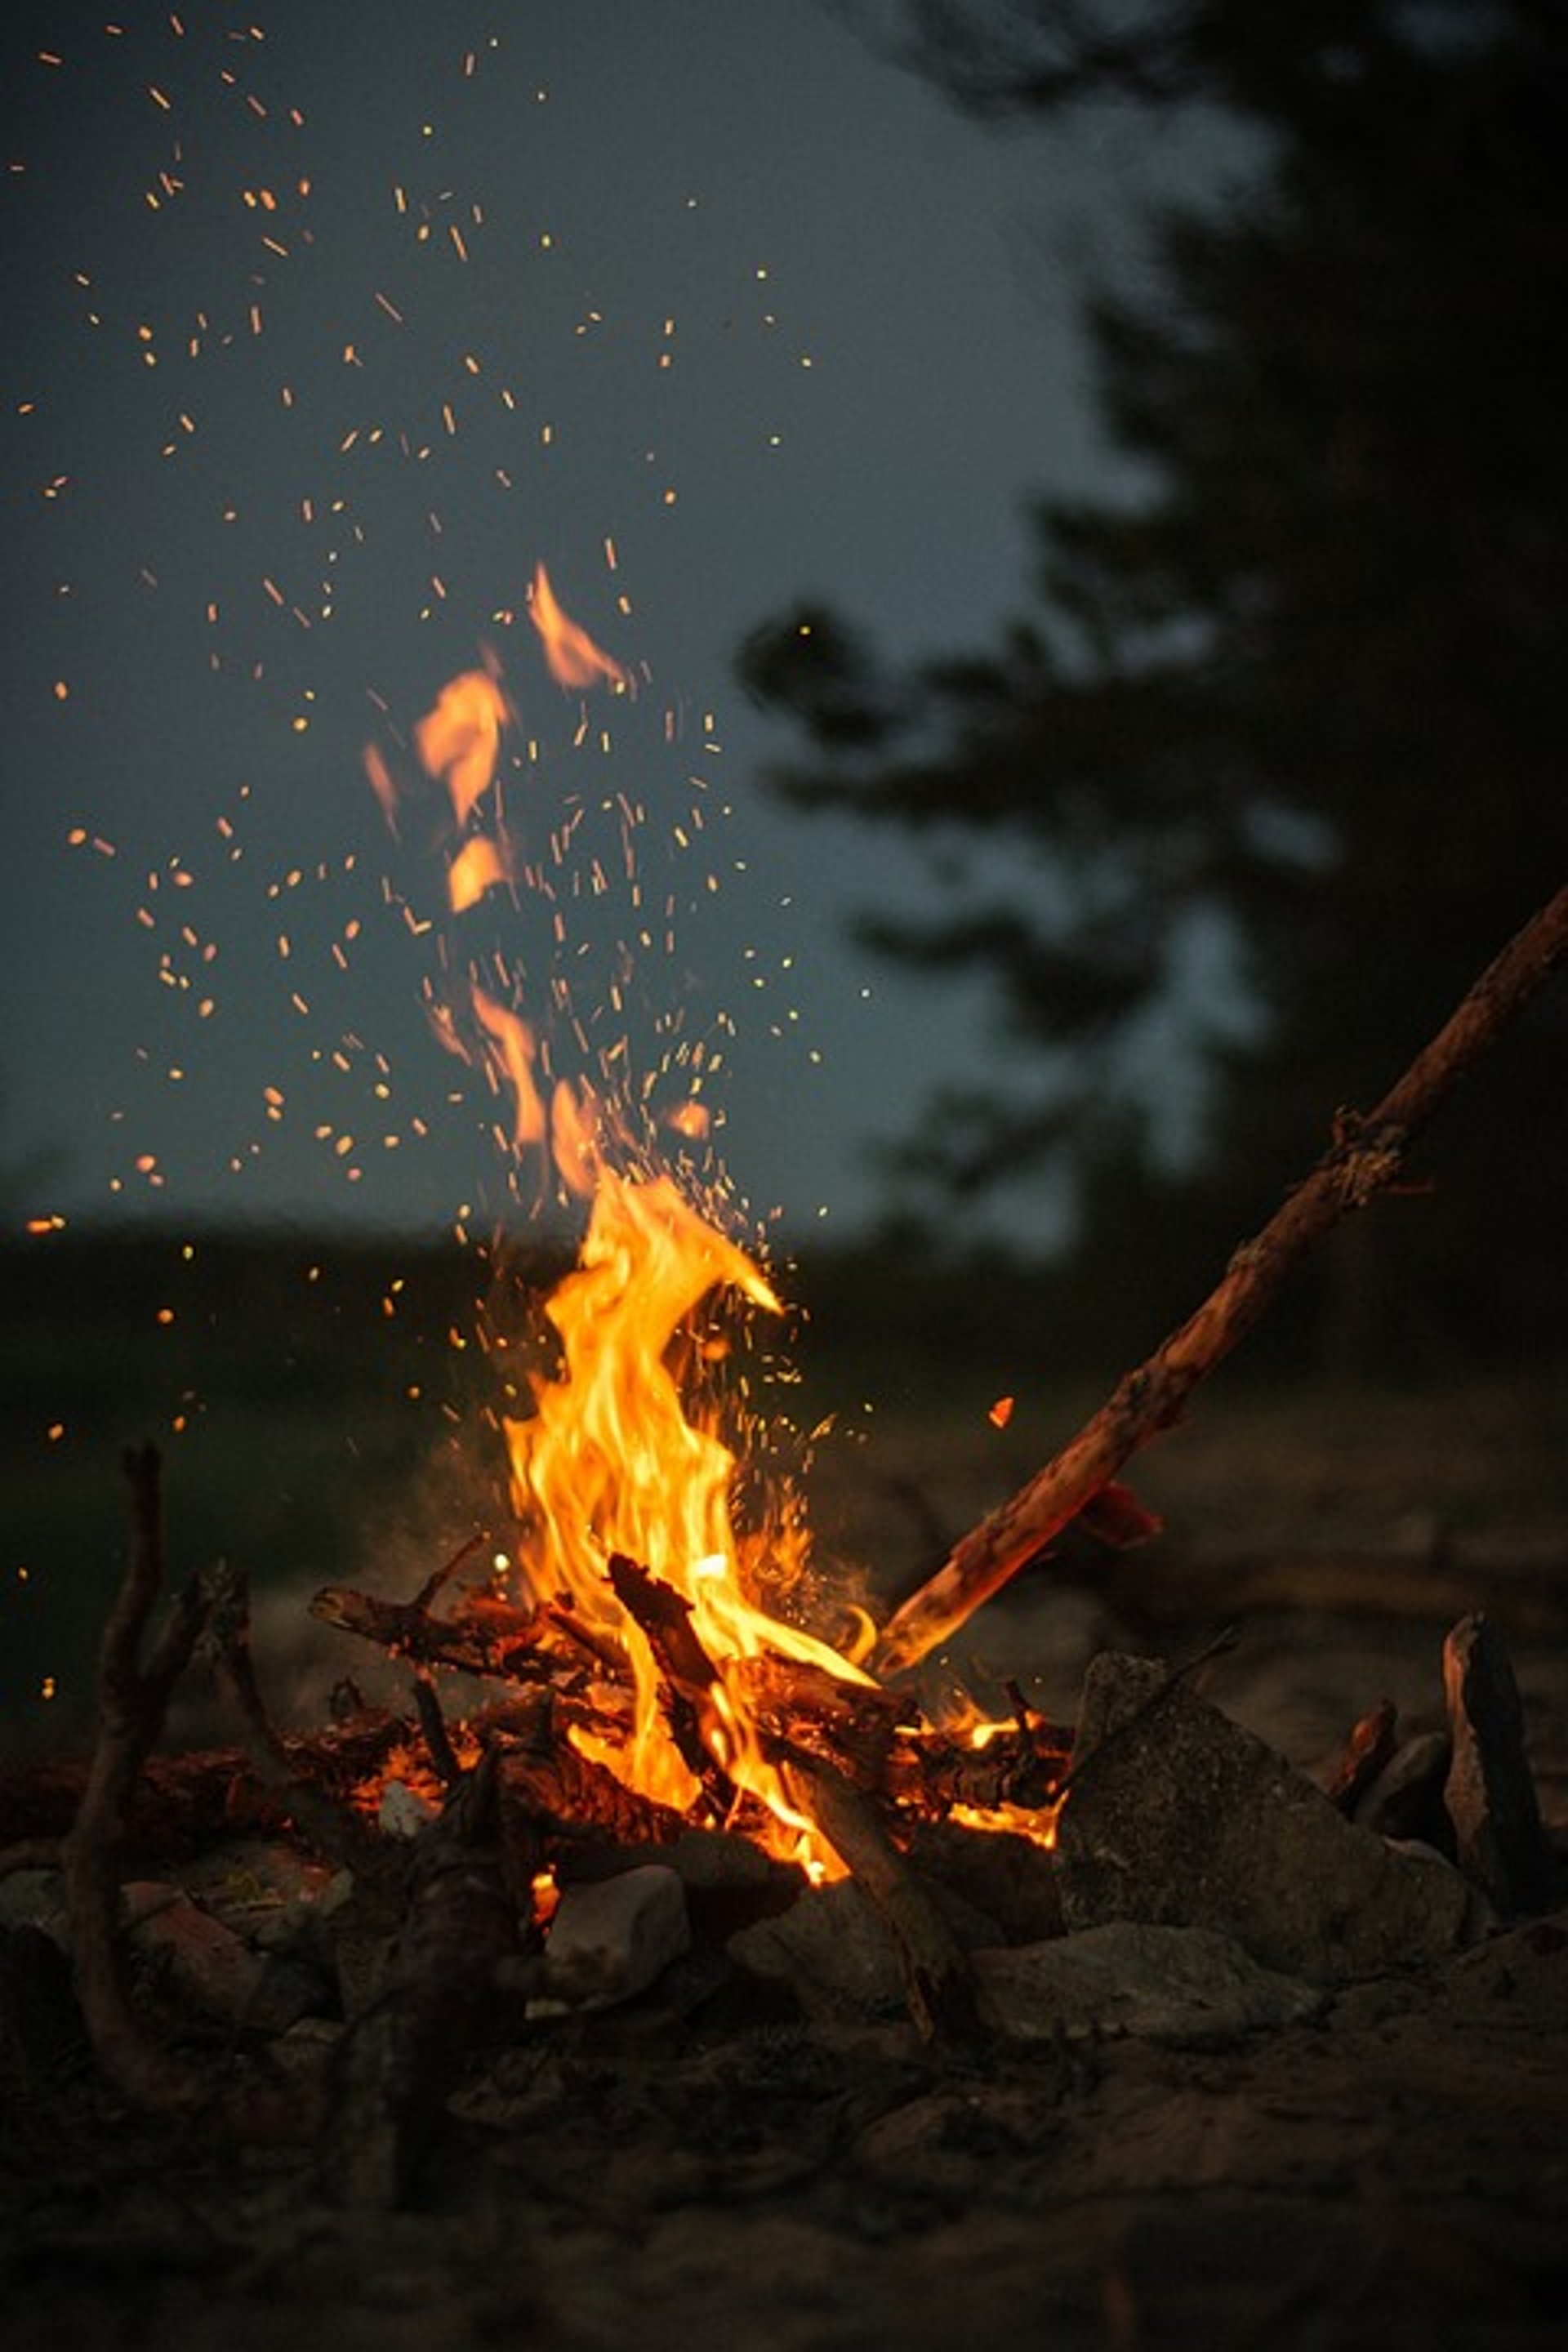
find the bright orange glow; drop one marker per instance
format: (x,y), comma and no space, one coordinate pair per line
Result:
(617,1461)
(509,1055)
(1019,1821)
(573,658)
(609,1464)
(479,866)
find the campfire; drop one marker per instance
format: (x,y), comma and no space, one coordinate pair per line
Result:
(675,1734)
(669,1641)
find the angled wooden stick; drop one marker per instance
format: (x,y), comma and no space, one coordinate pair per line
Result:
(133,1699)
(1367,1154)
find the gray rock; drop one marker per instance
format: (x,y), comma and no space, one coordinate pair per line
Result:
(35,1898)
(609,1941)
(1177,1817)
(210,1966)
(1190,1986)
(1004,1878)
(830,1950)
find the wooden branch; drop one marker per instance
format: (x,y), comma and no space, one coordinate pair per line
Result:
(485,1636)
(133,1699)
(183,1803)
(553,1798)
(687,1677)
(1367,1155)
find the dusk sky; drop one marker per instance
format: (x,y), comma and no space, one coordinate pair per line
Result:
(326,327)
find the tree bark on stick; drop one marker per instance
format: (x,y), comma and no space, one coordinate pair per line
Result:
(133,1699)
(1366,1156)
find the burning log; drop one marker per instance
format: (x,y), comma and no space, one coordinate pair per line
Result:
(688,1675)
(553,1798)
(486,1636)
(1367,1155)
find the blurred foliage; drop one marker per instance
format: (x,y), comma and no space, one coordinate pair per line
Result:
(1276,763)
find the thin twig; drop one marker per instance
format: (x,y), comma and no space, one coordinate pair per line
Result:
(1367,1155)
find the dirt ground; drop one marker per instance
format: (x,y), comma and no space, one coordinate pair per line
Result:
(1395,2174)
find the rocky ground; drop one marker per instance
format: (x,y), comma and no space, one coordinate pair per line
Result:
(1395,2173)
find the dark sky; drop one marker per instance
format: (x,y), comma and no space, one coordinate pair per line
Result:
(325,325)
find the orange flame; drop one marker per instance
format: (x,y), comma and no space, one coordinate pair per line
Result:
(572,657)
(458,743)
(609,1464)
(509,1058)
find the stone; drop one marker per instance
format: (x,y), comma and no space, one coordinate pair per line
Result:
(1406,1799)
(1188,1986)
(1005,1878)
(830,1952)
(609,1939)
(1491,1793)
(405,1812)
(35,1898)
(1177,1817)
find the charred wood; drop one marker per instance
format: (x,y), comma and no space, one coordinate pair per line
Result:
(133,1699)
(329,1825)
(486,1636)
(687,1677)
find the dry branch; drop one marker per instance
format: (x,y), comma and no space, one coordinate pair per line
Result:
(332,1827)
(133,1699)
(553,1798)
(484,1636)
(1367,1155)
